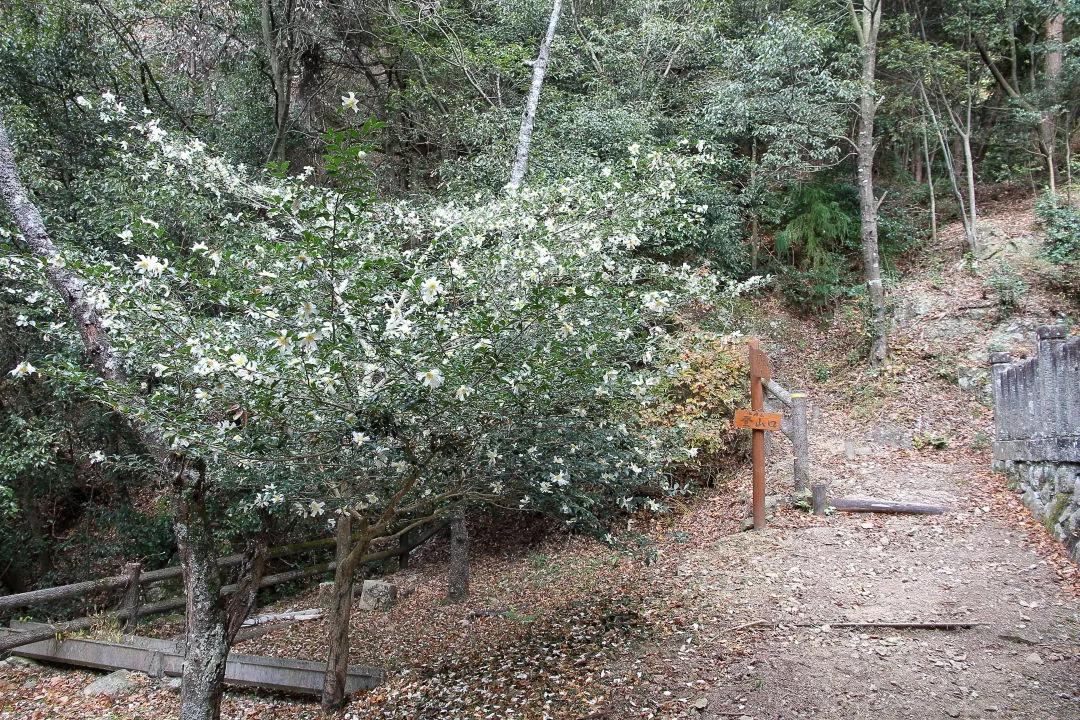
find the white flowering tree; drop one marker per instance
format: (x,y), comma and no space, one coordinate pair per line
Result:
(383,362)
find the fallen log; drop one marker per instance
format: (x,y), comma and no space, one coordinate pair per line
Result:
(851,504)
(901,625)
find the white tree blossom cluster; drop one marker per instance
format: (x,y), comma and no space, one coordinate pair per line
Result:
(365,353)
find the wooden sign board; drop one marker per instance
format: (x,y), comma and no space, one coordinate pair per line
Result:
(759,364)
(757,420)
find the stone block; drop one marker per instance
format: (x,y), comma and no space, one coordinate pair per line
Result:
(115,684)
(378,595)
(324,596)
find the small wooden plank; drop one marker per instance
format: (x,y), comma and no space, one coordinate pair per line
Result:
(757,420)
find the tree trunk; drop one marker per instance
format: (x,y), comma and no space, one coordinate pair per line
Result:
(867,21)
(459,557)
(972,227)
(917,162)
(930,186)
(1055,37)
(206,649)
(280,76)
(528,117)
(348,558)
(248,581)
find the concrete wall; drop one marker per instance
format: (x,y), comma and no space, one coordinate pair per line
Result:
(1037,420)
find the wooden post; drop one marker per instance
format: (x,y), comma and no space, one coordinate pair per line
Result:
(130,604)
(757,446)
(403,548)
(800,439)
(819,498)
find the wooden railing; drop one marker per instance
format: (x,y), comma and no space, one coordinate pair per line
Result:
(132,579)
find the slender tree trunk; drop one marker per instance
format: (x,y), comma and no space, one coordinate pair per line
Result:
(1055,37)
(528,117)
(930,185)
(972,227)
(243,600)
(459,556)
(348,555)
(917,158)
(206,647)
(867,20)
(950,166)
(280,75)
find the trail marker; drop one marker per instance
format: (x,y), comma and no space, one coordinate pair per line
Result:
(758,421)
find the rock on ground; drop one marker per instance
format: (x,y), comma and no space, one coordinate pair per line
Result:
(114,684)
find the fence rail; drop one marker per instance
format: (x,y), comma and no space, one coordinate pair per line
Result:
(132,579)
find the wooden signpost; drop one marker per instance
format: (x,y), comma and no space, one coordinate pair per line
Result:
(758,421)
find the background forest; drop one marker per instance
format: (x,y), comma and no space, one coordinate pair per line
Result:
(401,119)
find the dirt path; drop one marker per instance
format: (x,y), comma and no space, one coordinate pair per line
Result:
(966,566)
(974,564)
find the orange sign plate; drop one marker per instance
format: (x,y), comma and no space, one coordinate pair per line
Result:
(757,420)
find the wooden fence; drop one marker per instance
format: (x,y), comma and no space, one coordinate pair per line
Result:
(131,580)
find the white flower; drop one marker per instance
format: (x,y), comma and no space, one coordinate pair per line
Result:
(655,301)
(560,478)
(308,340)
(372,498)
(433,378)
(108,97)
(545,487)
(463,392)
(201,395)
(316,507)
(430,289)
(307,310)
(359,438)
(150,265)
(351,102)
(282,341)
(238,359)
(248,372)
(125,235)
(302,261)
(206,366)
(691,452)
(23,369)
(96,457)
(634,149)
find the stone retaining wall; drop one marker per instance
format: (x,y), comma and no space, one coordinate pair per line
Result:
(1037,421)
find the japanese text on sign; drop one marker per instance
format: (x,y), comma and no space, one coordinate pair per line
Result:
(757,420)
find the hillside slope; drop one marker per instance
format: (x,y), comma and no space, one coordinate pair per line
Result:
(735,624)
